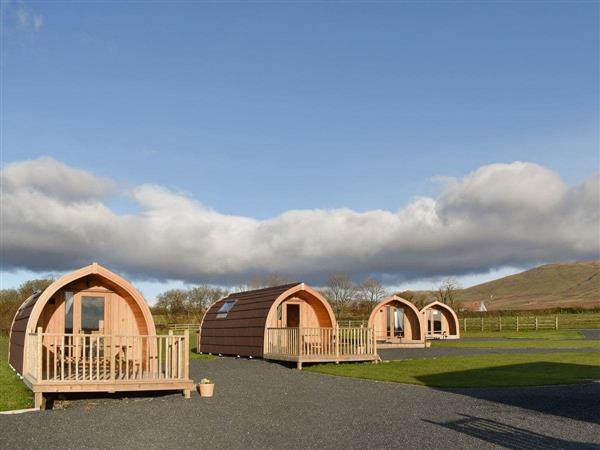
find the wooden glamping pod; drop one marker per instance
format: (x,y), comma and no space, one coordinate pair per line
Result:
(92,331)
(441,321)
(397,323)
(287,323)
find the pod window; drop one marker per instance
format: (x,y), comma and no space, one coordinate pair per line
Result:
(225,308)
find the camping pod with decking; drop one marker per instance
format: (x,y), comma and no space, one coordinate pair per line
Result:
(92,331)
(397,323)
(292,322)
(441,321)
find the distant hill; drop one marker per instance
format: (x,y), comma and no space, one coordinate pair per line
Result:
(568,285)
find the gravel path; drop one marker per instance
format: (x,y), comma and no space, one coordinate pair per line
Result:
(394,354)
(591,334)
(266,405)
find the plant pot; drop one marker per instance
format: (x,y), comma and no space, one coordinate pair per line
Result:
(206,390)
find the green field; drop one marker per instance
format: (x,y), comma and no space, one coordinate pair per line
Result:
(13,393)
(533,369)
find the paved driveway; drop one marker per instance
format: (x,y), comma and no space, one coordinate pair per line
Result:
(265,405)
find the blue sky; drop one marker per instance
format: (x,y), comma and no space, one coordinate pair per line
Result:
(255,109)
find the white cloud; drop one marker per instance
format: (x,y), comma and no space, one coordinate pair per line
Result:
(27,19)
(55,217)
(23,16)
(38,21)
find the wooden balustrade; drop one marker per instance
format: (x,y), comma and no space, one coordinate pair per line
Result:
(321,343)
(63,357)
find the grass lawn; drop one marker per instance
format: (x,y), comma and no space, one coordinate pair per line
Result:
(517,343)
(13,393)
(193,344)
(533,369)
(541,334)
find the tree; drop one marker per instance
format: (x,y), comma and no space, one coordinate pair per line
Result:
(446,293)
(340,291)
(187,304)
(371,291)
(11,299)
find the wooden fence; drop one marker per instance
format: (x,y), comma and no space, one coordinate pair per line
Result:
(321,343)
(63,357)
(531,323)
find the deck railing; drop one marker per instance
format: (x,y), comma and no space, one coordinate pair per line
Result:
(321,343)
(64,357)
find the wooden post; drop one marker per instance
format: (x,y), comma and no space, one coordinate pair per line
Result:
(517,323)
(465,324)
(556,322)
(481,323)
(186,362)
(40,359)
(337,344)
(499,323)
(38,400)
(169,354)
(536,323)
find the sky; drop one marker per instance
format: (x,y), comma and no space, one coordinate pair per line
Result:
(207,142)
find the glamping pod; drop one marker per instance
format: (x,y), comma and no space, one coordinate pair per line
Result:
(441,321)
(397,323)
(292,322)
(92,331)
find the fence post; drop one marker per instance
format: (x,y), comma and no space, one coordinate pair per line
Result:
(465,324)
(556,322)
(40,359)
(300,341)
(517,323)
(337,344)
(481,323)
(536,323)
(499,323)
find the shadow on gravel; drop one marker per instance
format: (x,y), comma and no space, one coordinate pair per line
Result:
(63,400)
(574,401)
(509,436)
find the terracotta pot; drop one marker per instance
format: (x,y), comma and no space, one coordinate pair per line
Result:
(206,390)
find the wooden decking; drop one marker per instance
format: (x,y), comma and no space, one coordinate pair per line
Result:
(104,363)
(307,345)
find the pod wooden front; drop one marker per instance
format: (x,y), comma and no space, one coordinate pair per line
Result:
(92,331)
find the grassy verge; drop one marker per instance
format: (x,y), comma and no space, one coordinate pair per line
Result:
(533,369)
(13,393)
(517,343)
(193,344)
(541,334)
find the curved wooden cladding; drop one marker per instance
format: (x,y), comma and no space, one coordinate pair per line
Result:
(414,324)
(243,331)
(125,310)
(449,319)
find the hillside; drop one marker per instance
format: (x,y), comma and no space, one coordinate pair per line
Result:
(567,285)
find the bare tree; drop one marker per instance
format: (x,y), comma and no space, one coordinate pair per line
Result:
(341,291)
(446,293)
(371,291)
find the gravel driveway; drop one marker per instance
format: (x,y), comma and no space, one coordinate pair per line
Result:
(266,405)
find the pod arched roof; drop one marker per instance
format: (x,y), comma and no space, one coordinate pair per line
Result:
(28,314)
(393,298)
(437,304)
(249,316)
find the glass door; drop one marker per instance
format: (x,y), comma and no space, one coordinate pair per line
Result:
(92,314)
(398,322)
